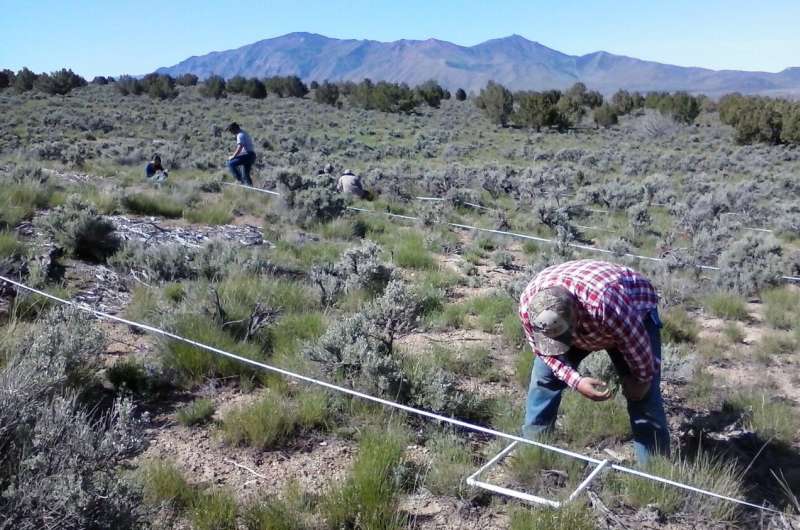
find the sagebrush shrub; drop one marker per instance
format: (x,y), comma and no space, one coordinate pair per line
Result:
(358,268)
(750,264)
(57,451)
(77,228)
(310,200)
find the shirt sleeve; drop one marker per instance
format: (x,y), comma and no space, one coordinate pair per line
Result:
(240,138)
(560,369)
(626,324)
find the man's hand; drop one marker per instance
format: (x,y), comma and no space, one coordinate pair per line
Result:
(633,389)
(594,389)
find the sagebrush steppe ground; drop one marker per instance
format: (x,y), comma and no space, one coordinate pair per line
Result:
(263,452)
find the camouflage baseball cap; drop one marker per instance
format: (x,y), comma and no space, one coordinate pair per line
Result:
(551,313)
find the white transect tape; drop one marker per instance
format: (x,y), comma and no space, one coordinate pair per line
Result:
(381,401)
(511,234)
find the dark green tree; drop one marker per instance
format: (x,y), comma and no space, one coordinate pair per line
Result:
(128,85)
(431,93)
(213,87)
(159,86)
(497,102)
(60,82)
(187,80)
(255,89)
(605,115)
(535,110)
(100,80)
(461,95)
(24,80)
(6,78)
(327,93)
(236,84)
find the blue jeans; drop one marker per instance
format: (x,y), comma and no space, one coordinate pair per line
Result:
(648,420)
(239,167)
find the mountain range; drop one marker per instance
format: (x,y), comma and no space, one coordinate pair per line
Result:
(516,62)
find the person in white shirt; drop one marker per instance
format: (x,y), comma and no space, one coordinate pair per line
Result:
(242,160)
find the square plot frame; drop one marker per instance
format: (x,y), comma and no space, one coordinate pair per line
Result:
(475,481)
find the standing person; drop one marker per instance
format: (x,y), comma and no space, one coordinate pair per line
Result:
(573,309)
(242,160)
(154,170)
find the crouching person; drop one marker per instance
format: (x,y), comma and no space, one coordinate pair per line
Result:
(154,170)
(243,158)
(573,309)
(350,184)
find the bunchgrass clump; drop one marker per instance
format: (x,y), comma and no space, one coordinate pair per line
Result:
(409,252)
(782,308)
(776,343)
(704,471)
(219,213)
(733,332)
(369,495)
(679,326)
(158,205)
(10,246)
(193,364)
(587,422)
(531,465)
(727,305)
(198,412)
(451,462)
(214,510)
(163,483)
(272,420)
(574,516)
(767,417)
(128,376)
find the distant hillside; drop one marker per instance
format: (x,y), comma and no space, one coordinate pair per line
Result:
(513,61)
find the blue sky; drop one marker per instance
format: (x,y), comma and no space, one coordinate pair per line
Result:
(113,37)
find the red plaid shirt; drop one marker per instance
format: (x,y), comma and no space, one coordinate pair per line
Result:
(612,302)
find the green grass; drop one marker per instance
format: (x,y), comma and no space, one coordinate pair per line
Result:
(727,305)
(214,510)
(679,327)
(574,516)
(307,254)
(513,333)
(472,361)
(704,472)
(162,482)
(765,416)
(219,213)
(782,308)
(272,420)
(733,332)
(19,201)
(523,365)
(272,514)
(158,205)
(528,463)
(10,246)
(587,422)
(369,495)
(194,365)
(128,375)
(776,343)
(144,305)
(451,462)
(198,412)
(409,252)
(291,331)
(485,313)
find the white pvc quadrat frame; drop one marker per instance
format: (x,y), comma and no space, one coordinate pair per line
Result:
(474,480)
